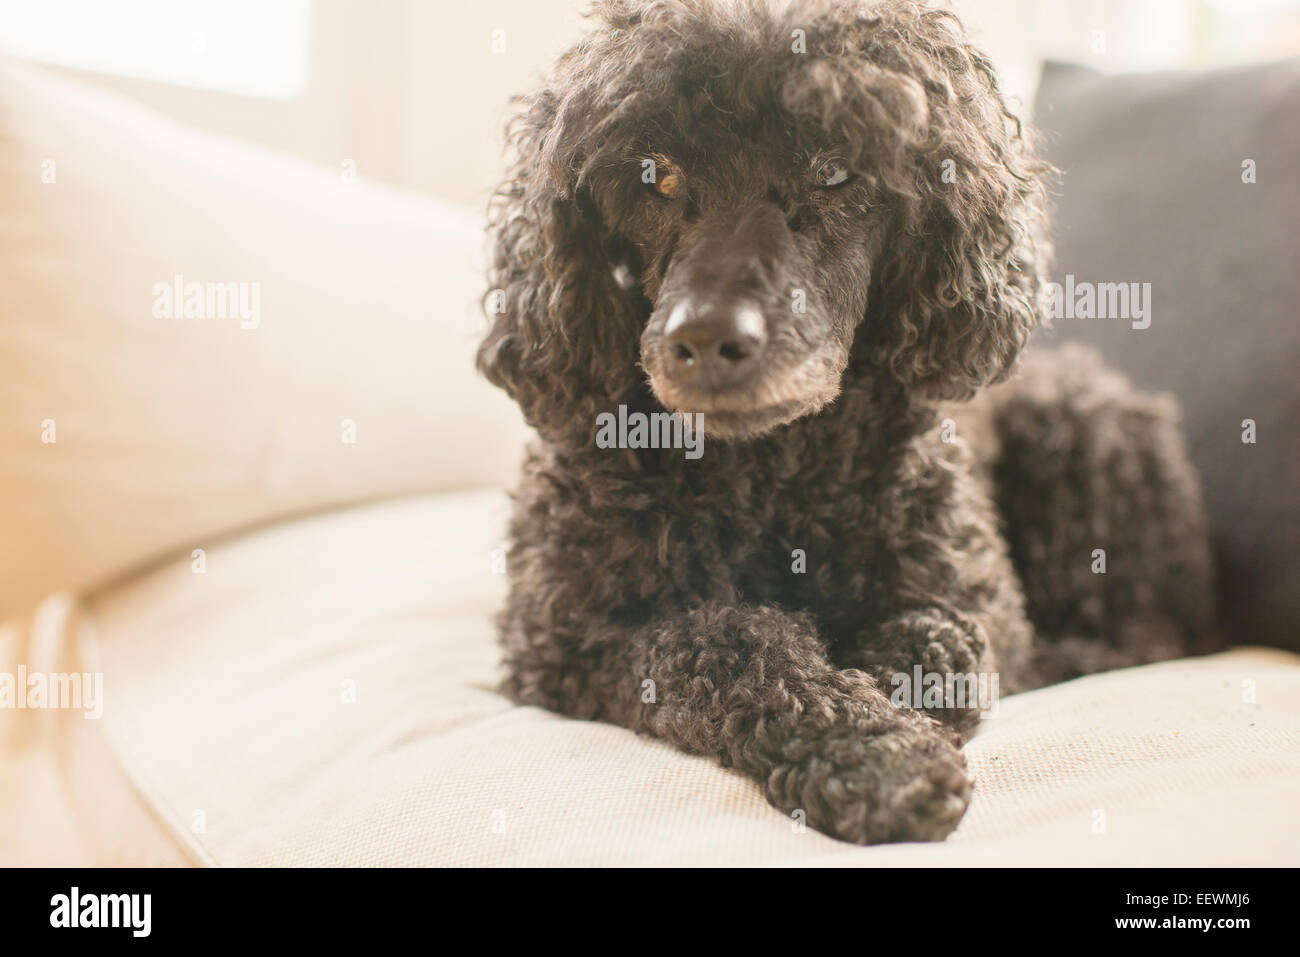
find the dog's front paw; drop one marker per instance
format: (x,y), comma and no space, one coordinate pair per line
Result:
(903,785)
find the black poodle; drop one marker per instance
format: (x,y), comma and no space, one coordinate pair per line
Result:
(818,234)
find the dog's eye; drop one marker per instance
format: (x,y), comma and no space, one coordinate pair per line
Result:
(664,178)
(831,173)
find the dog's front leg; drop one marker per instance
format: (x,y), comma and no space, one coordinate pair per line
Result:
(949,633)
(753,685)
(952,633)
(934,660)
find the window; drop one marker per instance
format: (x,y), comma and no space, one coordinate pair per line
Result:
(252,47)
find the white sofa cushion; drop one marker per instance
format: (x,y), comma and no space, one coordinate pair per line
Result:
(225,696)
(172,431)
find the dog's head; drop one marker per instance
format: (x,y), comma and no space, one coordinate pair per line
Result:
(745,206)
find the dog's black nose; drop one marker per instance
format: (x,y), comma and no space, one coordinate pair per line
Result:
(716,347)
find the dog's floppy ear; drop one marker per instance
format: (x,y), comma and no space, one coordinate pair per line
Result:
(955,296)
(564,334)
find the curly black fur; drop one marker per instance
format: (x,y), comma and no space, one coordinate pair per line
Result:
(661,593)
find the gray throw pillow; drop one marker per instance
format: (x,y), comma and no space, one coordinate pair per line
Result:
(1154,190)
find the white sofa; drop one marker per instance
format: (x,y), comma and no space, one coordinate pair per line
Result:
(294,630)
